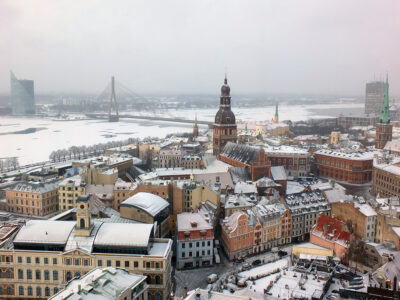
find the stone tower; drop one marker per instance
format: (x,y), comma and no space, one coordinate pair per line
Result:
(384,128)
(195,128)
(225,129)
(84,222)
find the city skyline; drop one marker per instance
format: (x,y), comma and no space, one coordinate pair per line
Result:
(309,48)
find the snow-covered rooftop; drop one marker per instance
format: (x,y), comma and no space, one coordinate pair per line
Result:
(352,155)
(125,234)
(192,221)
(45,231)
(99,284)
(148,202)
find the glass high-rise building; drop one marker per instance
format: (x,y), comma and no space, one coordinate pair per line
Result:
(374,95)
(22,96)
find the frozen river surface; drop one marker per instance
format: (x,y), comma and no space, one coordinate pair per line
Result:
(33,139)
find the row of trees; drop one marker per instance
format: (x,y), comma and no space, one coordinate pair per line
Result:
(80,152)
(9,163)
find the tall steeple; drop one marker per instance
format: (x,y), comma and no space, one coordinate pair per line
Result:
(384,129)
(385,114)
(276,117)
(195,128)
(225,129)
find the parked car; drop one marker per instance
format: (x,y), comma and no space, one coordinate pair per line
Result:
(246,267)
(212,278)
(256,262)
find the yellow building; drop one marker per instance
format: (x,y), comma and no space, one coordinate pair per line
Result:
(310,249)
(68,192)
(45,254)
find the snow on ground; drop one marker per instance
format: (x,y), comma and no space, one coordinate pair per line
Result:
(281,263)
(288,286)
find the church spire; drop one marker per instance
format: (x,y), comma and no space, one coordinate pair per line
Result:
(385,115)
(276,118)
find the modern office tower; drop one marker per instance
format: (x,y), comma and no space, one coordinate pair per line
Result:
(374,95)
(22,96)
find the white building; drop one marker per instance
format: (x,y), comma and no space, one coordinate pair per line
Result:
(195,241)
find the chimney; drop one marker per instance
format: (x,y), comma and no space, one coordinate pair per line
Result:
(395,283)
(185,291)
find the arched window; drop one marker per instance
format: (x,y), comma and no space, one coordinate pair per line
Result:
(30,291)
(149,296)
(55,290)
(20,274)
(46,275)
(77,274)
(1,290)
(47,291)
(69,276)
(82,223)
(8,273)
(37,272)
(158,279)
(158,296)
(9,290)
(148,279)
(29,274)
(38,291)
(21,290)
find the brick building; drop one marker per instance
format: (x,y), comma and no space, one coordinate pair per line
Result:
(195,241)
(253,158)
(361,217)
(296,161)
(353,167)
(237,235)
(386,178)
(37,199)
(225,129)
(332,234)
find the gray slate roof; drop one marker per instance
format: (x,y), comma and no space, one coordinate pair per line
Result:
(243,153)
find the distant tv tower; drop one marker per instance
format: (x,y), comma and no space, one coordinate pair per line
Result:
(113,103)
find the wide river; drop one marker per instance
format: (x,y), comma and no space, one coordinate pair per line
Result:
(33,139)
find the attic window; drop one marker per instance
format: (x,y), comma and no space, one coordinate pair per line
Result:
(193,224)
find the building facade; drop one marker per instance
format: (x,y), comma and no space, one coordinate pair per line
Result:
(386,178)
(225,129)
(44,255)
(305,208)
(170,158)
(237,235)
(68,192)
(361,217)
(195,241)
(353,167)
(374,95)
(22,96)
(295,160)
(36,199)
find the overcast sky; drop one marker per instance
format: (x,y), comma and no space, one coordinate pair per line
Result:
(168,46)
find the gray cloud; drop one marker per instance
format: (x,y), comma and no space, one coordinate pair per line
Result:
(181,46)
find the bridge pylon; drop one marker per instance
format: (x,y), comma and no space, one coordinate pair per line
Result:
(113,103)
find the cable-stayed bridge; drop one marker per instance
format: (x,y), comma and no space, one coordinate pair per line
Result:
(115,90)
